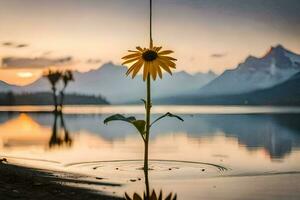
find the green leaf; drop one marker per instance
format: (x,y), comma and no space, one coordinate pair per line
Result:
(144,101)
(138,124)
(168,114)
(118,117)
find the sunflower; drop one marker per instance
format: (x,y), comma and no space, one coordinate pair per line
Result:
(153,59)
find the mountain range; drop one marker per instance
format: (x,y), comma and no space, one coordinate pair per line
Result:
(249,83)
(273,79)
(286,93)
(110,81)
(277,66)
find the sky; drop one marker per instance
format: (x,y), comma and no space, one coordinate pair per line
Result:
(84,34)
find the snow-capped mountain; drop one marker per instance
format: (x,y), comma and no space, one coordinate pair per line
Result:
(110,81)
(275,67)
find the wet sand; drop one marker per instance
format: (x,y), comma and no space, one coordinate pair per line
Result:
(27,183)
(19,182)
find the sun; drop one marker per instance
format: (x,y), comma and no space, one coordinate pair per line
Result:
(24,74)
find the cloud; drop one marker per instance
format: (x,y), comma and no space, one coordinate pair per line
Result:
(93,61)
(34,63)
(14,45)
(21,45)
(7,44)
(218,55)
(46,53)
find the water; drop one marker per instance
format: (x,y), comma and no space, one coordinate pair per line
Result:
(207,156)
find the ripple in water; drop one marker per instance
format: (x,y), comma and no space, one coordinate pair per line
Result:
(161,168)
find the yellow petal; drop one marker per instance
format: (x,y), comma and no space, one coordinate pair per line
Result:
(137,68)
(131,60)
(168,63)
(168,57)
(153,70)
(158,69)
(164,66)
(140,49)
(133,66)
(129,70)
(157,48)
(172,65)
(165,52)
(146,70)
(133,55)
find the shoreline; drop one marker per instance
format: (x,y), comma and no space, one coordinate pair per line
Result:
(18,182)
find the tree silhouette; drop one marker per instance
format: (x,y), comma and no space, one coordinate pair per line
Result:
(57,138)
(67,139)
(66,77)
(53,77)
(54,140)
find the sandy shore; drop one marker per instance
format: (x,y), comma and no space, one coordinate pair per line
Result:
(19,182)
(27,183)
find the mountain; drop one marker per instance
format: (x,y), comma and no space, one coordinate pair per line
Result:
(110,81)
(286,93)
(45,98)
(5,87)
(275,67)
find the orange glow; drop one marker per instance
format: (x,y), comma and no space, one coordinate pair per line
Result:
(24,74)
(196,35)
(20,77)
(23,129)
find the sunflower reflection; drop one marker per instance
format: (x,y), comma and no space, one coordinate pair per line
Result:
(150,196)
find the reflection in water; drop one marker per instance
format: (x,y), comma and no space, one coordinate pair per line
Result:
(59,138)
(247,144)
(147,195)
(264,145)
(278,134)
(21,131)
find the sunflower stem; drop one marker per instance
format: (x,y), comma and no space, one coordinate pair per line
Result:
(148,113)
(147,185)
(151,40)
(148,106)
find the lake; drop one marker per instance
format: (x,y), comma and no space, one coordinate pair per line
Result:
(207,156)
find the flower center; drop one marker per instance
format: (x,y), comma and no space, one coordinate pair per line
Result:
(149,55)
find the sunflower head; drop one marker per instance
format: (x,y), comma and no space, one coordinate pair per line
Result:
(150,55)
(152,60)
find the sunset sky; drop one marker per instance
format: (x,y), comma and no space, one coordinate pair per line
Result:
(83,34)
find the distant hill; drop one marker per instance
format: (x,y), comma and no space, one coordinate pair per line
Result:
(6,87)
(110,81)
(286,93)
(277,66)
(45,98)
